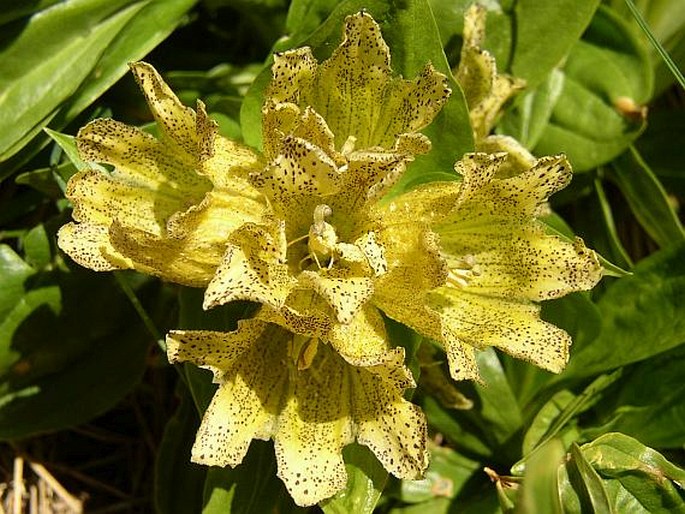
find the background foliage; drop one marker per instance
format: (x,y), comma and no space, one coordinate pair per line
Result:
(75,345)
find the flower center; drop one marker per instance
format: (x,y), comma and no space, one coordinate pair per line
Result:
(322,241)
(461,270)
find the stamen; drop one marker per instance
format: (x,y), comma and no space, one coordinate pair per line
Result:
(461,270)
(348,146)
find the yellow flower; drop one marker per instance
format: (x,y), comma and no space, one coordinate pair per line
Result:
(337,136)
(274,384)
(169,203)
(475,278)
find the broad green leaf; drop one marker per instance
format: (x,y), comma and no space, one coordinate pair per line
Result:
(135,28)
(546,31)
(586,123)
(497,413)
(544,419)
(637,478)
(540,485)
(642,315)
(534,109)
(49,353)
(366,480)
(46,62)
(21,9)
(589,488)
(36,246)
(68,144)
(14,274)
(178,482)
(556,418)
(49,181)
(647,198)
(649,403)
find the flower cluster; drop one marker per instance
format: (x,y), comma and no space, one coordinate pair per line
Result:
(304,229)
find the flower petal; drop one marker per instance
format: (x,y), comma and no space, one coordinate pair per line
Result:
(215,351)
(363,341)
(345,291)
(495,225)
(414,268)
(226,163)
(313,428)
(394,430)
(149,183)
(176,121)
(250,394)
(253,268)
(312,413)
(301,169)
(89,246)
(513,327)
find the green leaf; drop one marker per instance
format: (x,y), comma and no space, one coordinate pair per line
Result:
(585,123)
(540,484)
(592,487)
(647,198)
(543,420)
(179,483)
(48,354)
(637,478)
(650,402)
(366,480)
(37,247)
(642,315)
(46,62)
(68,144)
(499,411)
(545,32)
(69,55)
(528,122)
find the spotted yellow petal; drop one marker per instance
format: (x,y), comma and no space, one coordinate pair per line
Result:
(292,72)
(149,183)
(354,90)
(394,430)
(253,268)
(314,426)
(176,121)
(280,120)
(311,413)
(344,291)
(301,169)
(356,95)
(89,246)
(518,159)
(494,225)
(250,394)
(513,327)
(485,90)
(415,267)
(363,341)
(226,163)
